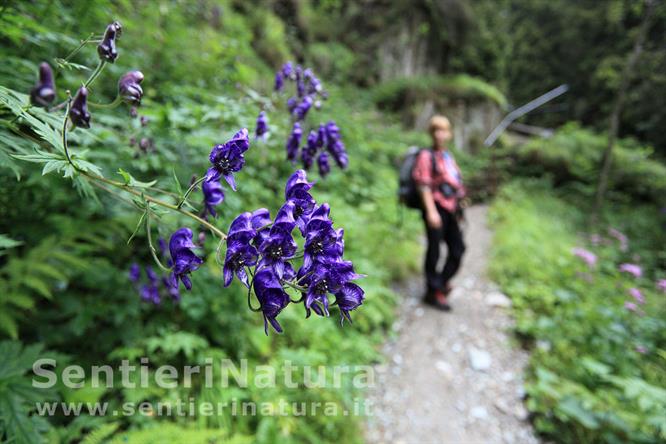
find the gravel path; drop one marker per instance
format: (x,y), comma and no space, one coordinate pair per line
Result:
(453,377)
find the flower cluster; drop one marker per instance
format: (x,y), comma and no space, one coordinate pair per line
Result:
(321,142)
(587,256)
(266,249)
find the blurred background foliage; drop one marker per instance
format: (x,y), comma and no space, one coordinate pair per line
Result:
(209,70)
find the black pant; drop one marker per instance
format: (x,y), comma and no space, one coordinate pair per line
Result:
(450,233)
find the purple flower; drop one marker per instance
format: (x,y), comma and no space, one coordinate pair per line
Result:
(332,131)
(279,82)
(240,253)
(107,48)
(260,218)
(171,287)
(262,126)
(292,102)
(183,258)
(621,237)
(313,83)
(144,121)
(294,141)
(284,219)
(296,191)
(129,87)
(44,91)
(78,113)
(276,249)
(339,153)
(150,292)
(661,285)
(587,256)
(300,84)
(632,269)
(301,110)
(348,298)
(322,163)
(322,138)
(322,280)
(641,349)
(637,295)
(271,296)
(134,273)
(228,158)
(213,195)
(287,70)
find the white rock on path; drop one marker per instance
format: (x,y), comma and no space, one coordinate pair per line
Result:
(479,360)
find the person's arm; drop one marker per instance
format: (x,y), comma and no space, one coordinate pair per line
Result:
(433,218)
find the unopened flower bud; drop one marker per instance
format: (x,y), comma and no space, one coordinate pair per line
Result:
(107,48)
(129,87)
(44,91)
(78,113)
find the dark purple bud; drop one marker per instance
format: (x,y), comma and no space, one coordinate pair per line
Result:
(144,120)
(78,113)
(145,143)
(303,107)
(213,195)
(294,141)
(107,48)
(134,273)
(183,258)
(132,141)
(292,102)
(271,296)
(262,125)
(322,163)
(44,91)
(287,70)
(129,87)
(279,81)
(133,112)
(300,84)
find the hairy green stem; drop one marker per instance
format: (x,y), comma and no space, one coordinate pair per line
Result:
(117,101)
(153,252)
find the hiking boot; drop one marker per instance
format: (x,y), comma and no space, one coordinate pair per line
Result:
(438,300)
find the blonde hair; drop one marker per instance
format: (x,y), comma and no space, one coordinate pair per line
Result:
(438,122)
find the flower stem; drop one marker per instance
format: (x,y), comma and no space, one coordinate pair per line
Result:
(150,242)
(80,47)
(94,74)
(190,189)
(117,101)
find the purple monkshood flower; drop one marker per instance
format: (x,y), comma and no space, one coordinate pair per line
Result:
(260,220)
(301,110)
(349,298)
(172,289)
(129,87)
(322,138)
(296,191)
(240,253)
(322,280)
(292,103)
(183,258)
(262,126)
(294,141)
(278,247)
(309,150)
(279,82)
(78,112)
(587,256)
(213,195)
(632,269)
(107,48)
(44,91)
(287,70)
(300,84)
(134,273)
(339,153)
(271,296)
(322,163)
(621,237)
(637,295)
(150,292)
(332,131)
(661,285)
(228,158)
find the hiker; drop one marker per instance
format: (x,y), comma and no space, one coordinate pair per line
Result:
(441,190)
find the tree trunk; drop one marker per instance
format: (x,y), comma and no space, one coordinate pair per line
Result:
(614,123)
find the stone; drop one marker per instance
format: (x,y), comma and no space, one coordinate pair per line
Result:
(497,299)
(479,360)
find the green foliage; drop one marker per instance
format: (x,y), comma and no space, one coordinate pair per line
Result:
(596,369)
(573,155)
(398,93)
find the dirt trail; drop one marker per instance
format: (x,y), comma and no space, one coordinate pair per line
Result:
(453,377)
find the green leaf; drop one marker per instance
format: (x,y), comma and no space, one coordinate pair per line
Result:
(132,182)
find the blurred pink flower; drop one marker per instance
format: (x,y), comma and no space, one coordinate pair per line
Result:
(634,269)
(621,237)
(661,285)
(595,239)
(587,256)
(631,306)
(636,294)
(641,349)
